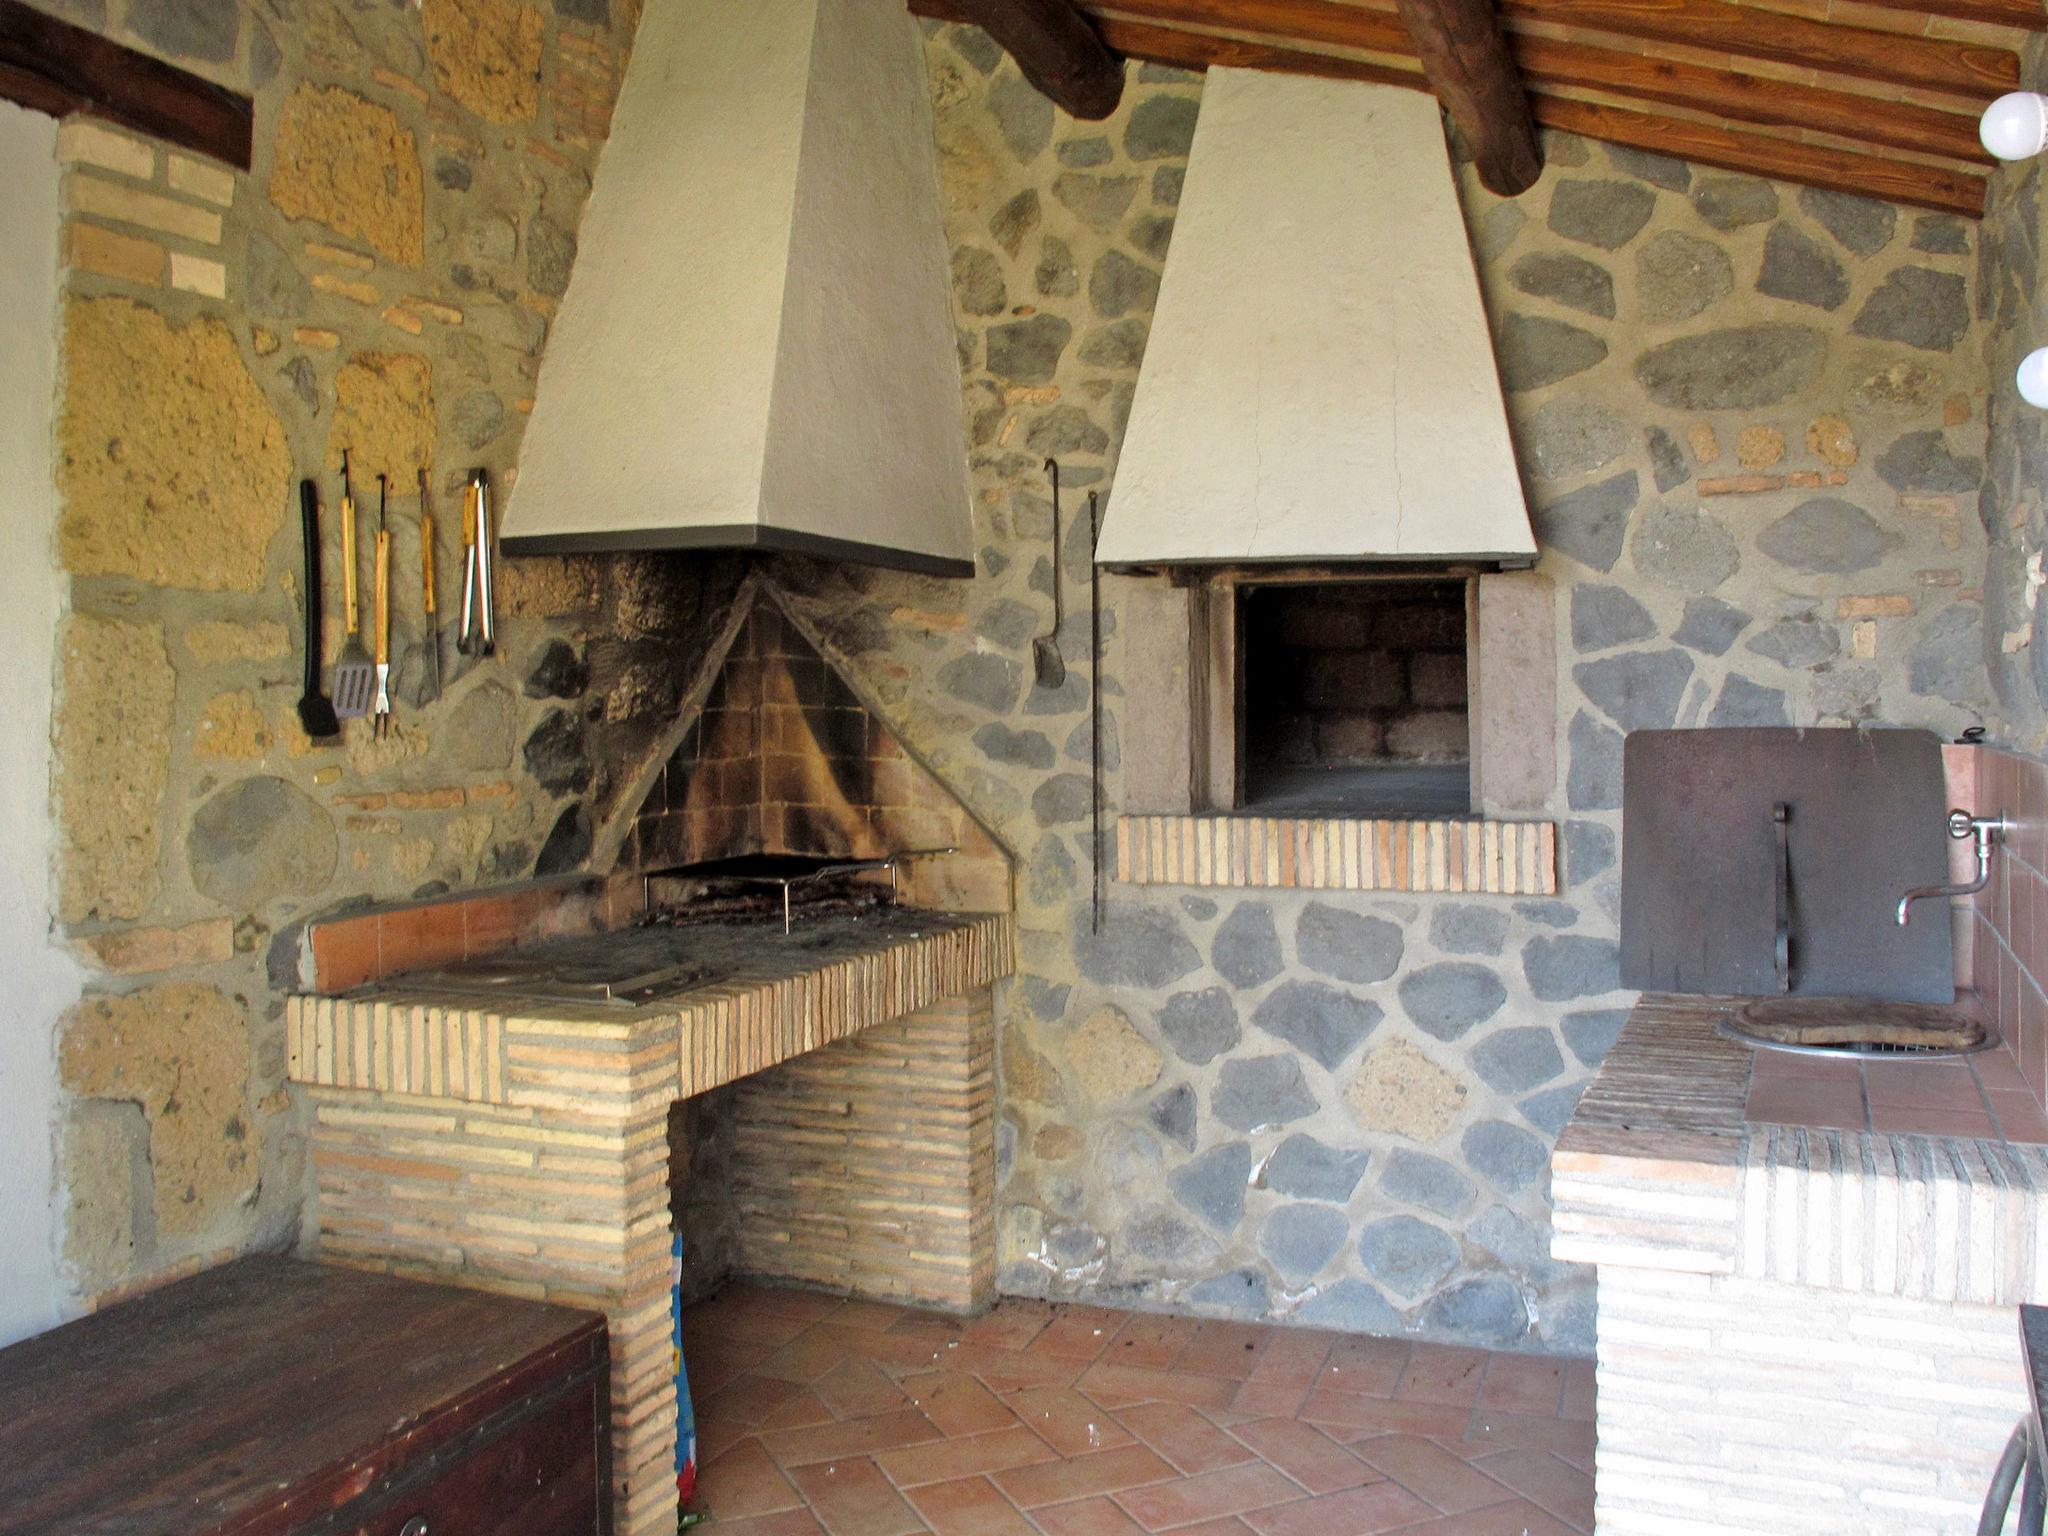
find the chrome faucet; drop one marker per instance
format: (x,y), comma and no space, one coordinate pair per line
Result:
(1961,824)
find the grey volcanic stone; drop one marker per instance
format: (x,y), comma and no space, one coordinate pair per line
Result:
(1318,1019)
(1246,949)
(1138,947)
(1406,1254)
(1797,643)
(1486,1310)
(1027,351)
(1416,1178)
(1158,1239)
(556,753)
(257,839)
(558,673)
(550,254)
(1710,626)
(1505,1155)
(1639,691)
(1152,234)
(198,29)
(1680,275)
(1174,1115)
(1735,369)
(1260,1091)
(1213,1184)
(1801,270)
(1921,461)
(988,682)
(1919,307)
(1007,622)
(1730,202)
(1560,967)
(1086,152)
(1590,523)
(1120,344)
(1565,279)
(1117,285)
(275,287)
(1200,1026)
(1825,536)
(477,417)
(1588,851)
(1014,220)
(1348,946)
(1468,930)
(1550,914)
(1161,128)
(1167,182)
(1550,1110)
(1743,702)
(1097,201)
(1669,464)
(1056,276)
(1516,1060)
(1591,1032)
(1942,234)
(1298,1240)
(1603,213)
(1662,170)
(567,844)
(1303,1167)
(1535,350)
(1061,799)
(1065,429)
(1498,227)
(1569,437)
(1073,1244)
(1020,749)
(1593,782)
(1862,224)
(1448,998)
(1241,1293)
(978,281)
(1350,1306)
(1686,548)
(1023,115)
(1947,660)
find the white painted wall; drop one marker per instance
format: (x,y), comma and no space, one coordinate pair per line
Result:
(1319,381)
(40,980)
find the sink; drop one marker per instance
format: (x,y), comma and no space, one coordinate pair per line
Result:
(1860,1028)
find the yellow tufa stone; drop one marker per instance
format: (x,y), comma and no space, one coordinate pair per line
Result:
(1055,1143)
(131,951)
(1027,1076)
(1110,1058)
(1832,440)
(112,762)
(1401,1090)
(348,163)
(98,1179)
(1759,447)
(181,1051)
(171,465)
(231,728)
(1705,446)
(487,55)
(216,642)
(384,416)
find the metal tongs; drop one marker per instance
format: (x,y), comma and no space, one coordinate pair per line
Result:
(478,635)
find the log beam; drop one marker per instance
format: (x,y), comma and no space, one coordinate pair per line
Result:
(1466,60)
(1058,50)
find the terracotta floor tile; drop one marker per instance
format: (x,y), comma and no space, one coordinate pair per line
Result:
(957,1403)
(1077,1477)
(1442,1373)
(1294,1357)
(1151,1340)
(1268,1400)
(1183,1437)
(969,1456)
(1079,1333)
(854,1389)
(873,1316)
(804,1358)
(934,1328)
(744,1481)
(1921,1084)
(1115,1385)
(1902,1120)
(2019,1117)
(1354,1512)
(1563,1490)
(1306,1454)
(1355,1417)
(1224,1349)
(1430,1472)
(1370,1366)
(800,1408)
(788,1522)
(1570,1438)
(1187,1500)
(745,1399)
(968,1506)
(715,1358)
(1013,1323)
(857,1437)
(1518,1518)
(1227,1525)
(1067,1421)
(850,1497)
(900,1354)
(1008,1370)
(1523,1383)
(1086,1517)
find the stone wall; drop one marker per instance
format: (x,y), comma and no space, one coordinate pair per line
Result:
(382,281)
(1751,421)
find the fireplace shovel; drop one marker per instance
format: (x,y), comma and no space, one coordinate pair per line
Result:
(1047,664)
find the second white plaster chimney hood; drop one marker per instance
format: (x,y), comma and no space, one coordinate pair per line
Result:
(1319,384)
(756,348)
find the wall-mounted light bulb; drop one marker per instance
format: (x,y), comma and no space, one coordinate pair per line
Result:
(2015,127)
(2033,377)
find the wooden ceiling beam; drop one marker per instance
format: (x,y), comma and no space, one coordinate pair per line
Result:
(2021,15)
(1058,50)
(1466,60)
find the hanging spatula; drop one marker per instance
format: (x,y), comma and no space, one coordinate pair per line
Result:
(355,676)
(1048,666)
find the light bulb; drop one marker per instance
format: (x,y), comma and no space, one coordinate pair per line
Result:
(2033,377)
(2015,126)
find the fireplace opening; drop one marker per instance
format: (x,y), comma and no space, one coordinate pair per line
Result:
(1352,698)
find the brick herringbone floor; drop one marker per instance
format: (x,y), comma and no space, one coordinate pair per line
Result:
(856,1419)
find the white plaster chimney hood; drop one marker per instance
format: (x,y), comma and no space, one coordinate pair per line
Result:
(756,348)
(1319,384)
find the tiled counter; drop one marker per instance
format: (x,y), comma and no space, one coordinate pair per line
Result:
(1808,1276)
